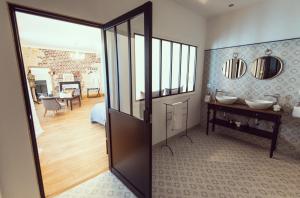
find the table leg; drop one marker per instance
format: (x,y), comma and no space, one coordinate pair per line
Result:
(213,120)
(79,101)
(274,138)
(71,104)
(207,122)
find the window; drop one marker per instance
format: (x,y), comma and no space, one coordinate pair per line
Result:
(173,67)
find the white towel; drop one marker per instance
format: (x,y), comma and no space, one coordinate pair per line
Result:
(177,116)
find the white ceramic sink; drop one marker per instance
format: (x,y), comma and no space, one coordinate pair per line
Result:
(259,104)
(226,99)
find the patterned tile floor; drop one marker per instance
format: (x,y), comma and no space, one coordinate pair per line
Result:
(214,166)
(222,165)
(105,185)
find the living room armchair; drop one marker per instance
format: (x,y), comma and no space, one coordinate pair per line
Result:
(52,104)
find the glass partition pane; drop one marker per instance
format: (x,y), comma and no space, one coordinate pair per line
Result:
(166,66)
(124,69)
(139,49)
(138,59)
(155,67)
(192,65)
(181,75)
(112,68)
(184,66)
(175,67)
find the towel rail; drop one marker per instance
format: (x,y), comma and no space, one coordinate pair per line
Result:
(186,123)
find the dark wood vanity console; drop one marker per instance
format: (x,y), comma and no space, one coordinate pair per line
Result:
(240,109)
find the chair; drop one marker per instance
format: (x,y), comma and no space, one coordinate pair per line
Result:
(76,92)
(51,104)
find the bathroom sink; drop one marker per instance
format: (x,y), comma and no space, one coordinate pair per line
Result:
(226,99)
(259,104)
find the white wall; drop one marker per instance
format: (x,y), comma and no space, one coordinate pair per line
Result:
(43,74)
(176,23)
(17,169)
(268,20)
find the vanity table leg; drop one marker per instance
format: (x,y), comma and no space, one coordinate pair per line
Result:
(274,138)
(213,120)
(207,121)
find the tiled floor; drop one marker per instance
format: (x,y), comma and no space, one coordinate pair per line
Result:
(106,185)
(218,165)
(222,165)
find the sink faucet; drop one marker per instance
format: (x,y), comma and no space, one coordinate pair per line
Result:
(219,91)
(276,96)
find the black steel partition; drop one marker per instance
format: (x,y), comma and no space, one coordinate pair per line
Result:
(130,137)
(189,66)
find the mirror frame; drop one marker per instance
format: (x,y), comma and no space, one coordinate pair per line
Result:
(278,73)
(246,68)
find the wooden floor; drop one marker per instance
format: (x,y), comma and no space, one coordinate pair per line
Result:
(71,149)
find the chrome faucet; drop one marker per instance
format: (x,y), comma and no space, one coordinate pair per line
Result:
(219,91)
(276,96)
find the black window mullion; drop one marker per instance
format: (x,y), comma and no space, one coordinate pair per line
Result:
(179,74)
(130,65)
(117,63)
(171,67)
(188,67)
(160,67)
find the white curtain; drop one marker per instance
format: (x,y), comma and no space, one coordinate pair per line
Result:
(37,126)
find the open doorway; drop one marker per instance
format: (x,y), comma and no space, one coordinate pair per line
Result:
(128,137)
(64,73)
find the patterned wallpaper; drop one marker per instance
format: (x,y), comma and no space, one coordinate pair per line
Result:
(287,84)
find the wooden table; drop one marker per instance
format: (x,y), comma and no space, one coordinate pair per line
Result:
(70,85)
(70,100)
(241,109)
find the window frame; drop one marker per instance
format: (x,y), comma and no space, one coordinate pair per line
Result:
(171,68)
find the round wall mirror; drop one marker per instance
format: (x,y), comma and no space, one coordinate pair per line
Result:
(266,67)
(234,68)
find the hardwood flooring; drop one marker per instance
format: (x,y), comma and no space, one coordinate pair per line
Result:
(71,149)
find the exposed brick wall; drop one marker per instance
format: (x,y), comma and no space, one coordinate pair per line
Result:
(61,62)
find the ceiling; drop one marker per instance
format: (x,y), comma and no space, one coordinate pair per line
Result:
(44,32)
(209,8)
(36,31)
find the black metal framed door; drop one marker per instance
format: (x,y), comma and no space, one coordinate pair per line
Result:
(128,120)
